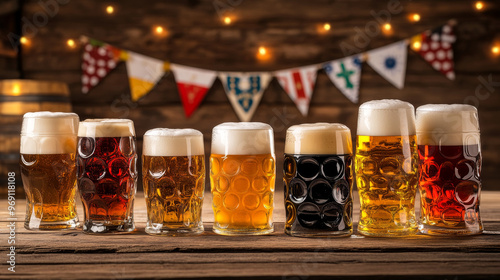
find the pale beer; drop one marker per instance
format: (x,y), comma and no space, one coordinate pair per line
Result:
(173,170)
(242,178)
(386,168)
(450,169)
(48,169)
(318,180)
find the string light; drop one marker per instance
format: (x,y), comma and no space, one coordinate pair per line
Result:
(227,20)
(110,9)
(262,51)
(23,40)
(479,5)
(71,43)
(387,27)
(495,50)
(416,45)
(415,17)
(327,26)
(159,30)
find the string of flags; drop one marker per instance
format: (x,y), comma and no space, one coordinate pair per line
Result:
(245,89)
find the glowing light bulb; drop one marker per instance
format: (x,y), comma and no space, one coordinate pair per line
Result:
(416,45)
(387,27)
(110,9)
(159,30)
(479,5)
(23,40)
(327,26)
(262,51)
(415,17)
(495,50)
(71,43)
(227,20)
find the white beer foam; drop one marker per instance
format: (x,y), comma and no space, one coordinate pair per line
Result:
(447,124)
(318,139)
(386,117)
(106,128)
(242,138)
(49,133)
(173,142)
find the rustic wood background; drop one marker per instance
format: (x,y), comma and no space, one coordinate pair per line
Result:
(289,29)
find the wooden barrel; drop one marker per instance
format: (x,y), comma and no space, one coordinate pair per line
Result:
(16,98)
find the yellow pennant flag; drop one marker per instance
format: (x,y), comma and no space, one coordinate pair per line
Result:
(143,73)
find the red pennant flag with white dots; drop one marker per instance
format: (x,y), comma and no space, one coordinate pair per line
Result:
(98,60)
(435,46)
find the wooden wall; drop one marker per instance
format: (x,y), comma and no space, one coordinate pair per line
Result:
(289,29)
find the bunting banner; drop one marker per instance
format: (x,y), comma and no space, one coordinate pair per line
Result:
(298,83)
(345,74)
(193,84)
(97,61)
(390,62)
(244,91)
(435,46)
(143,73)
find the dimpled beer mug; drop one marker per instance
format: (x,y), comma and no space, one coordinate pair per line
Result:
(107,174)
(386,165)
(450,169)
(242,173)
(48,169)
(173,172)
(318,180)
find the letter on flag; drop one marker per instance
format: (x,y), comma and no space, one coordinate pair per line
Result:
(244,91)
(345,73)
(193,84)
(299,84)
(143,73)
(390,62)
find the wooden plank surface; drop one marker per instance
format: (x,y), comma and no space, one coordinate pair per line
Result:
(73,254)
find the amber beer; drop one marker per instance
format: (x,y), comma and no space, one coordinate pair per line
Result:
(450,169)
(107,174)
(386,168)
(318,180)
(173,170)
(48,169)
(242,174)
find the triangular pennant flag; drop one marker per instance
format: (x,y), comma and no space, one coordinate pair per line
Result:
(299,84)
(390,62)
(345,73)
(436,48)
(98,60)
(193,84)
(244,91)
(143,74)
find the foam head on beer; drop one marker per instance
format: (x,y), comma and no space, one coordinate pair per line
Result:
(106,128)
(242,138)
(173,142)
(447,124)
(49,133)
(318,139)
(386,117)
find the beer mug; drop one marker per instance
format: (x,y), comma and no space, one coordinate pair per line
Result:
(450,169)
(48,169)
(107,174)
(386,165)
(173,172)
(242,174)
(318,180)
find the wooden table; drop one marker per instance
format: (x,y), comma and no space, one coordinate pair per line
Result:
(73,254)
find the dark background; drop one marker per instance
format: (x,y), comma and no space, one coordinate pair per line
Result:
(291,30)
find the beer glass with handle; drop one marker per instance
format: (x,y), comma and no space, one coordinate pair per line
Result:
(318,180)
(242,174)
(173,170)
(386,165)
(107,174)
(48,169)
(450,169)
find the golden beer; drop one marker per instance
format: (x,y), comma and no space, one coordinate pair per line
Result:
(48,169)
(173,170)
(386,168)
(242,178)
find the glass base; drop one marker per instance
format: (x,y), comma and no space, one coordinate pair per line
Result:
(435,230)
(165,231)
(319,233)
(225,231)
(37,224)
(388,232)
(91,226)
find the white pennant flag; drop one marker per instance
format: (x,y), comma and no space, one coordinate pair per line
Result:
(345,73)
(390,62)
(299,84)
(244,91)
(144,72)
